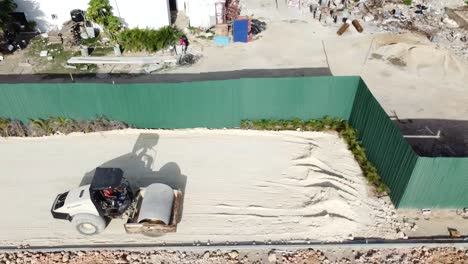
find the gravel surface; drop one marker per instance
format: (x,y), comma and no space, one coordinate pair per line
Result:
(410,255)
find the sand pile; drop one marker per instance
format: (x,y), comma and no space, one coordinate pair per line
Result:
(417,57)
(409,76)
(238,185)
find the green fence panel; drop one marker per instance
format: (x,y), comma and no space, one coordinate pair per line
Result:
(385,146)
(438,183)
(213,104)
(297,97)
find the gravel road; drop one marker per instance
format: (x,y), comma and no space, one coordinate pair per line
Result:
(310,256)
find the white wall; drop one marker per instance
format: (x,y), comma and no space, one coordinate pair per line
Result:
(142,13)
(201,13)
(134,13)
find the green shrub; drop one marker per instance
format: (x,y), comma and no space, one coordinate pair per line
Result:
(408,2)
(150,40)
(348,133)
(6,8)
(42,127)
(100,12)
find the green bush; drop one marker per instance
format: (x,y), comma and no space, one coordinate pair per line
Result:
(6,8)
(150,40)
(49,126)
(408,2)
(100,12)
(348,133)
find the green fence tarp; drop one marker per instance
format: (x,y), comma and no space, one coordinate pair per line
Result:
(213,104)
(438,183)
(385,146)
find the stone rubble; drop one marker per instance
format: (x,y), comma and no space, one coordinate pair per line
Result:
(338,256)
(428,17)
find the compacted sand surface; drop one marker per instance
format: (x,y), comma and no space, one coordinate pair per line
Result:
(238,185)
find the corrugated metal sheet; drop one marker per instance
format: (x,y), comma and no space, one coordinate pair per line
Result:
(211,104)
(438,183)
(386,148)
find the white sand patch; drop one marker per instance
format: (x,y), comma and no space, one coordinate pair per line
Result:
(239,185)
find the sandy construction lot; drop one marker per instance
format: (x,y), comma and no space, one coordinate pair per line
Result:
(238,185)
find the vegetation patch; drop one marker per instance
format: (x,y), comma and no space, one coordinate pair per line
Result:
(408,2)
(6,8)
(100,12)
(56,125)
(344,129)
(149,40)
(59,55)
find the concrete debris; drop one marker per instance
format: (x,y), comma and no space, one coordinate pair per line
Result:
(68,66)
(233,254)
(460,15)
(426,213)
(440,21)
(272,257)
(338,256)
(188,59)
(450,23)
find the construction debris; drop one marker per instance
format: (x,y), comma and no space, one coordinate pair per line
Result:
(332,256)
(459,16)
(440,21)
(257,26)
(343,29)
(357,26)
(454,232)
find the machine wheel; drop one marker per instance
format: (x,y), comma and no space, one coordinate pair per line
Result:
(88,224)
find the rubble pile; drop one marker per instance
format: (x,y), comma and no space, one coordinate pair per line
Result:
(119,257)
(339,256)
(428,17)
(414,255)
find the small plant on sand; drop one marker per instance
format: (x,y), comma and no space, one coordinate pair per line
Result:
(43,125)
(150,40)
(408,2)
(62,124)
(4,127)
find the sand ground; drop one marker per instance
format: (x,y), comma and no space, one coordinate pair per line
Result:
(238,185)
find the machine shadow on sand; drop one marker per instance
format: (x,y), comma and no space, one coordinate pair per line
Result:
(137,167)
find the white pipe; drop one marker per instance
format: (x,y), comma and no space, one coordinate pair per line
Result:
(423,136)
